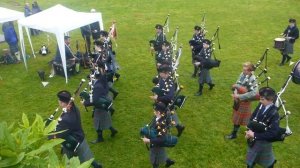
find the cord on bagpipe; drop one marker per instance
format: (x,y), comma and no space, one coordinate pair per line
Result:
(52,116)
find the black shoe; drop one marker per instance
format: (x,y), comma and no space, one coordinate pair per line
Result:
(113,133)
(211,86)
(112,111)
(115,95)
(198,94)
(97,140)
(117,76)
(231,136)
(169,163)
(180,130)
(288,59)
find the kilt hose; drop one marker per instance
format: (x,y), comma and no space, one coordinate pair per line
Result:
(243,114)
(260,153)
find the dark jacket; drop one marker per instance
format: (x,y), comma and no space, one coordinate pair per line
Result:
(271,118)
(292,32)
(71,122)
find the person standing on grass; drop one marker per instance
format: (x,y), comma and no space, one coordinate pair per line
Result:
(70,123)
(164,92)
(102,104)
(196,46)
(158,154)
(201,60)
(243,90)
(11,38)
(160,38)
(291,34)
(259,146)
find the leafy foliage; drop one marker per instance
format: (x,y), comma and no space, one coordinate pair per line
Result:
(27,146)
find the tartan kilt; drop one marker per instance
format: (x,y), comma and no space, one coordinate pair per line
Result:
(102,119)
(261,153)
(243,114)
(158,155)
(83,152)
(204,76)
(288,48)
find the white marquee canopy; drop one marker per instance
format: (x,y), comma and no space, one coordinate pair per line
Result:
(58,20)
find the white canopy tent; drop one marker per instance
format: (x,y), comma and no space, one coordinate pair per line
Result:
(7,15)
(58,20)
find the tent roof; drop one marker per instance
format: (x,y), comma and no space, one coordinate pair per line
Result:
(60,19)
(9,15)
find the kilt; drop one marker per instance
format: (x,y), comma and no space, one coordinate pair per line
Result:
(204,76)
(261,153)
(243,114)
(102,119)
(83,152)
(158,155)
(288,48)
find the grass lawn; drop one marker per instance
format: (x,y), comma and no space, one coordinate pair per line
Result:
(247,28)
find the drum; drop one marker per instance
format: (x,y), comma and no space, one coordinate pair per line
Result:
(279,43)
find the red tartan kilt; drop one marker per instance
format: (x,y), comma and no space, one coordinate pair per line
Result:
(243,114)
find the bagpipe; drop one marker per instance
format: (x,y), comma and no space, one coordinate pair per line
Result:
(149,132)
(279,103)
(166,24)
(51,117)
(282,133)
(70,143)
(203,22)
(262,126)
(102,102)
(211,63)
(165,28)
(247,84)
(176,52)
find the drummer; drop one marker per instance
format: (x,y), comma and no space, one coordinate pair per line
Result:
(291,33)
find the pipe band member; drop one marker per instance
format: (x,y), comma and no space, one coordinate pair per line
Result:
(75,143)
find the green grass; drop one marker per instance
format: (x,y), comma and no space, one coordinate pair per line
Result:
(247,28)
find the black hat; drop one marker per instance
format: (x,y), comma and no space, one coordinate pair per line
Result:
(197,27)
(161,107)
(64,96)
(291,20)
(164,68)
(158,26)
(206,41)
(267,93)
(67,37)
